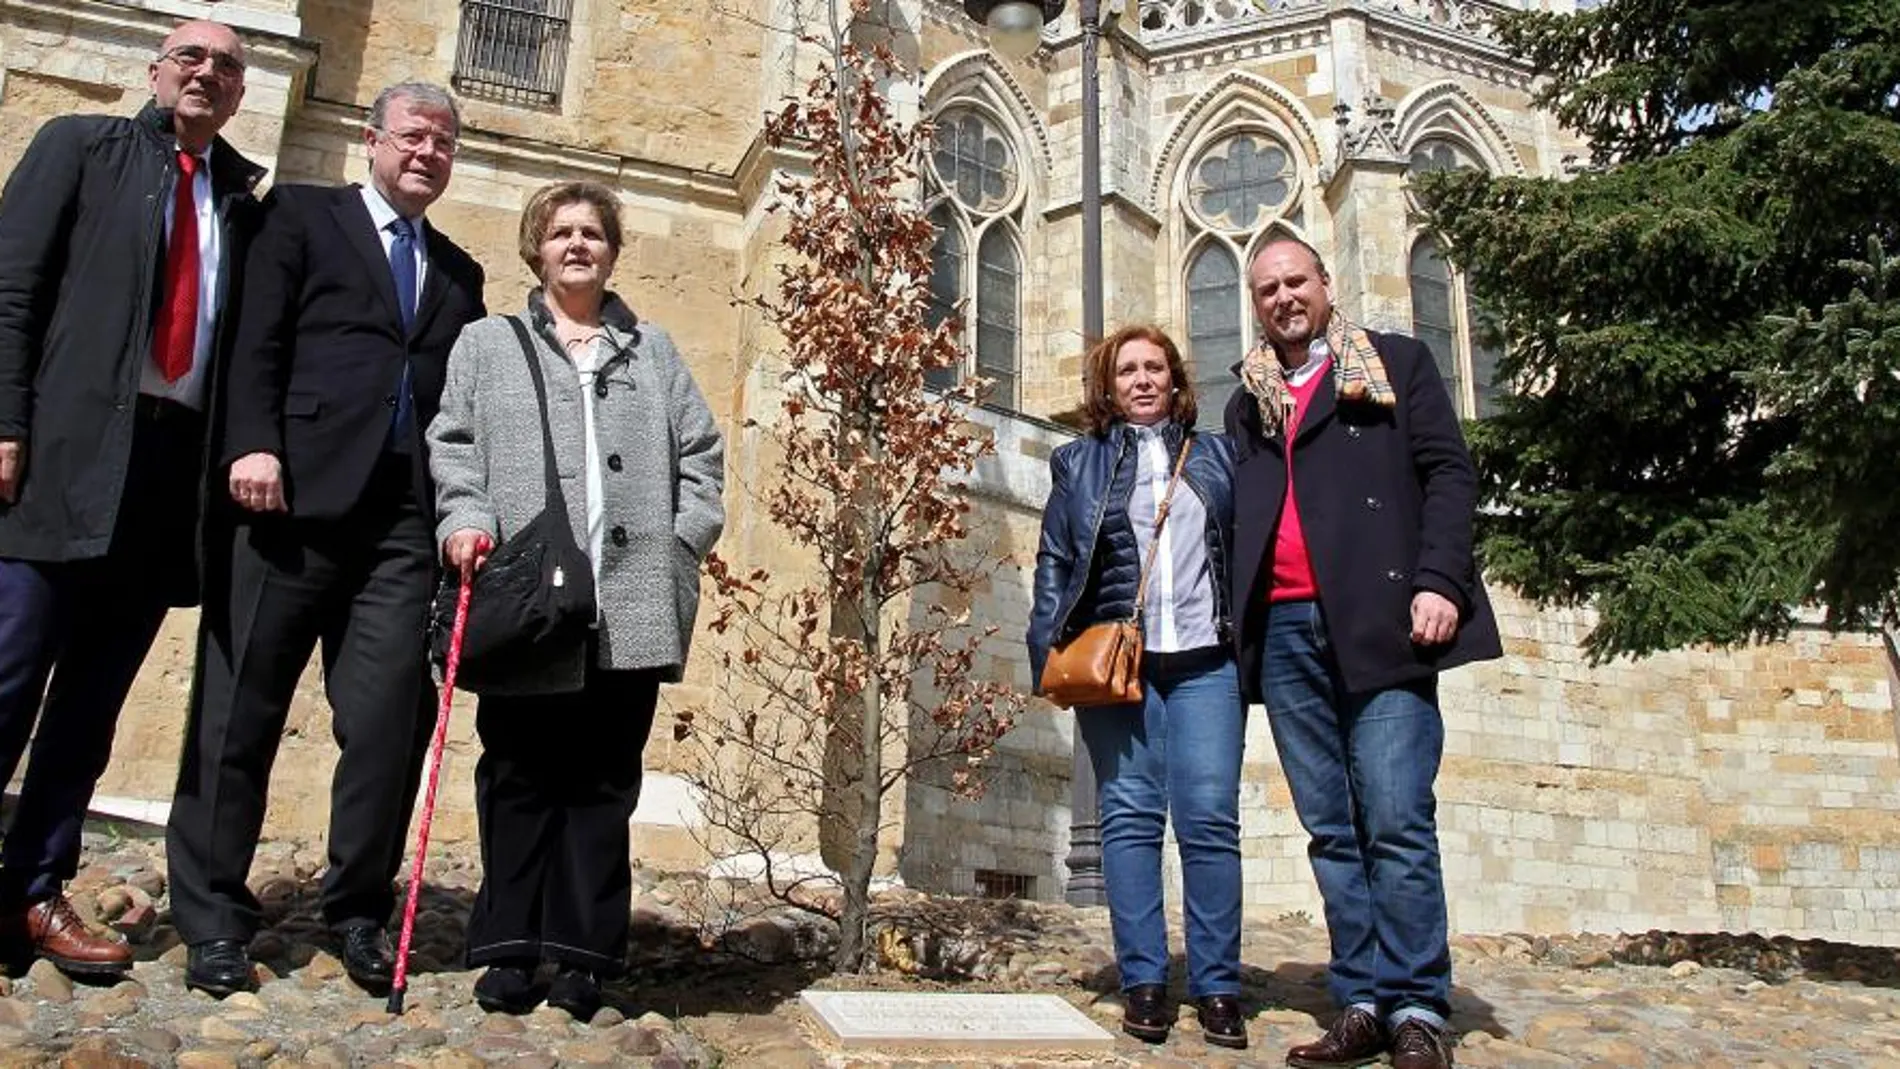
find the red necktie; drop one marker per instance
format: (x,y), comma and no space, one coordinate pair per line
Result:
(174,334)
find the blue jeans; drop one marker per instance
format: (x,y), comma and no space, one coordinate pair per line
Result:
(1177,752)
(1360,767)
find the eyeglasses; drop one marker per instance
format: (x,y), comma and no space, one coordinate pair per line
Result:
(192,57)
(410,142)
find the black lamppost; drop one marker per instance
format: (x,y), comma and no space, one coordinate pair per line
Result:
(1015,28)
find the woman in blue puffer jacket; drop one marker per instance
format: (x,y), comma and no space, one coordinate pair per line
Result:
(1178,750)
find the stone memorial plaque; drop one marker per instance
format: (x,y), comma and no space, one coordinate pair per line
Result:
(951,1021)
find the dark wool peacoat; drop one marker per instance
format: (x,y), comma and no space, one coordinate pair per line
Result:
(1387,497)
(82,249)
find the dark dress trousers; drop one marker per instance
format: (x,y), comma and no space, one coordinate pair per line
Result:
(318,357)
(103,536)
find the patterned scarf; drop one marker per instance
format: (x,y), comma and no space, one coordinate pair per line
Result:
(1358,375)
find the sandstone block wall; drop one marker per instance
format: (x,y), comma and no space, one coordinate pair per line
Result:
(1750,790)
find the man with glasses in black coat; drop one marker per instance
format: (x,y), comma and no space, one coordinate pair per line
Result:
(118,238)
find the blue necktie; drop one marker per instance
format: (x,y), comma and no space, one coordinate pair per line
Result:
(402,267)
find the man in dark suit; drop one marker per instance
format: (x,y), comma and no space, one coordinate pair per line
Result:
(117,237)
(352,303)
(1354,586)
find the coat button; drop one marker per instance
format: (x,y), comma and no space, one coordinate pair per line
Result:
(1374,503)
(600,389)
(619,535)
(613,462)
(390,401)
(1394,575)
(1352,432)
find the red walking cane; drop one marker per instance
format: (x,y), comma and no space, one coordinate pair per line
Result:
(400,982)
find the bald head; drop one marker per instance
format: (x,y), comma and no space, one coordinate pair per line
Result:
(199,76)
(1287,241)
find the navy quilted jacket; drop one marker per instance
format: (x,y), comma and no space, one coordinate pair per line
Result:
(1087,566)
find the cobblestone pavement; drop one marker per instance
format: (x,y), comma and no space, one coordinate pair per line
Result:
(715,982)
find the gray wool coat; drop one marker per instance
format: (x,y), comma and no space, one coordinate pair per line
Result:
(662,473)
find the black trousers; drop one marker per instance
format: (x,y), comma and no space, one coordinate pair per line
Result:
(359,588)
(72,637)
(554,790)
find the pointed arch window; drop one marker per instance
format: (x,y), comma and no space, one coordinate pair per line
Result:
(1432,321)
(946,281)
(999,270)
(977,261)
(1464,339)
(1215,335)
(1242,185)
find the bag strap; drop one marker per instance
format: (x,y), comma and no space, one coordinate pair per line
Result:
(1161,520)
(554,498)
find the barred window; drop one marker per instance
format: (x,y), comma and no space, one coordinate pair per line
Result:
(513,50)
(993,884)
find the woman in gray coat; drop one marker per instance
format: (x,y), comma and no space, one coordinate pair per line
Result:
(641,467)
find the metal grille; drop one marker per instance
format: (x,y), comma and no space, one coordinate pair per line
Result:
(514,50)
(992,884)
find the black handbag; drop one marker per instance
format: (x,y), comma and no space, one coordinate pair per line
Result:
(532,604)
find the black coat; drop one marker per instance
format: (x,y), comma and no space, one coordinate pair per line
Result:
(82,248)
(1387,497)
(1088,564)
(320,346)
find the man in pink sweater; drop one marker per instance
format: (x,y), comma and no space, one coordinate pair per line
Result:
(1354,585)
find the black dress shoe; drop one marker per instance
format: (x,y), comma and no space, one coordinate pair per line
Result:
(1147,1016)
(508,989)
(577,991)
(367,958)
(219,967)
(1221,1022)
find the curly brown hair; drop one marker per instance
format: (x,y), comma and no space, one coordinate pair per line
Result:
(1099,410)
(549,199)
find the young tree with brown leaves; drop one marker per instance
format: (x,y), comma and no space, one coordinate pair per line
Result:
(844,684)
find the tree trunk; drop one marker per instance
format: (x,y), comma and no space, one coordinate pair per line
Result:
(868,778)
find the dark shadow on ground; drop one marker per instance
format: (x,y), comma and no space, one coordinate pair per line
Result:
(1776,959)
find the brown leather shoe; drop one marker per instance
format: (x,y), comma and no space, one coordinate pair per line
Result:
(1417,1045)
(1354,1039)
(55,932)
